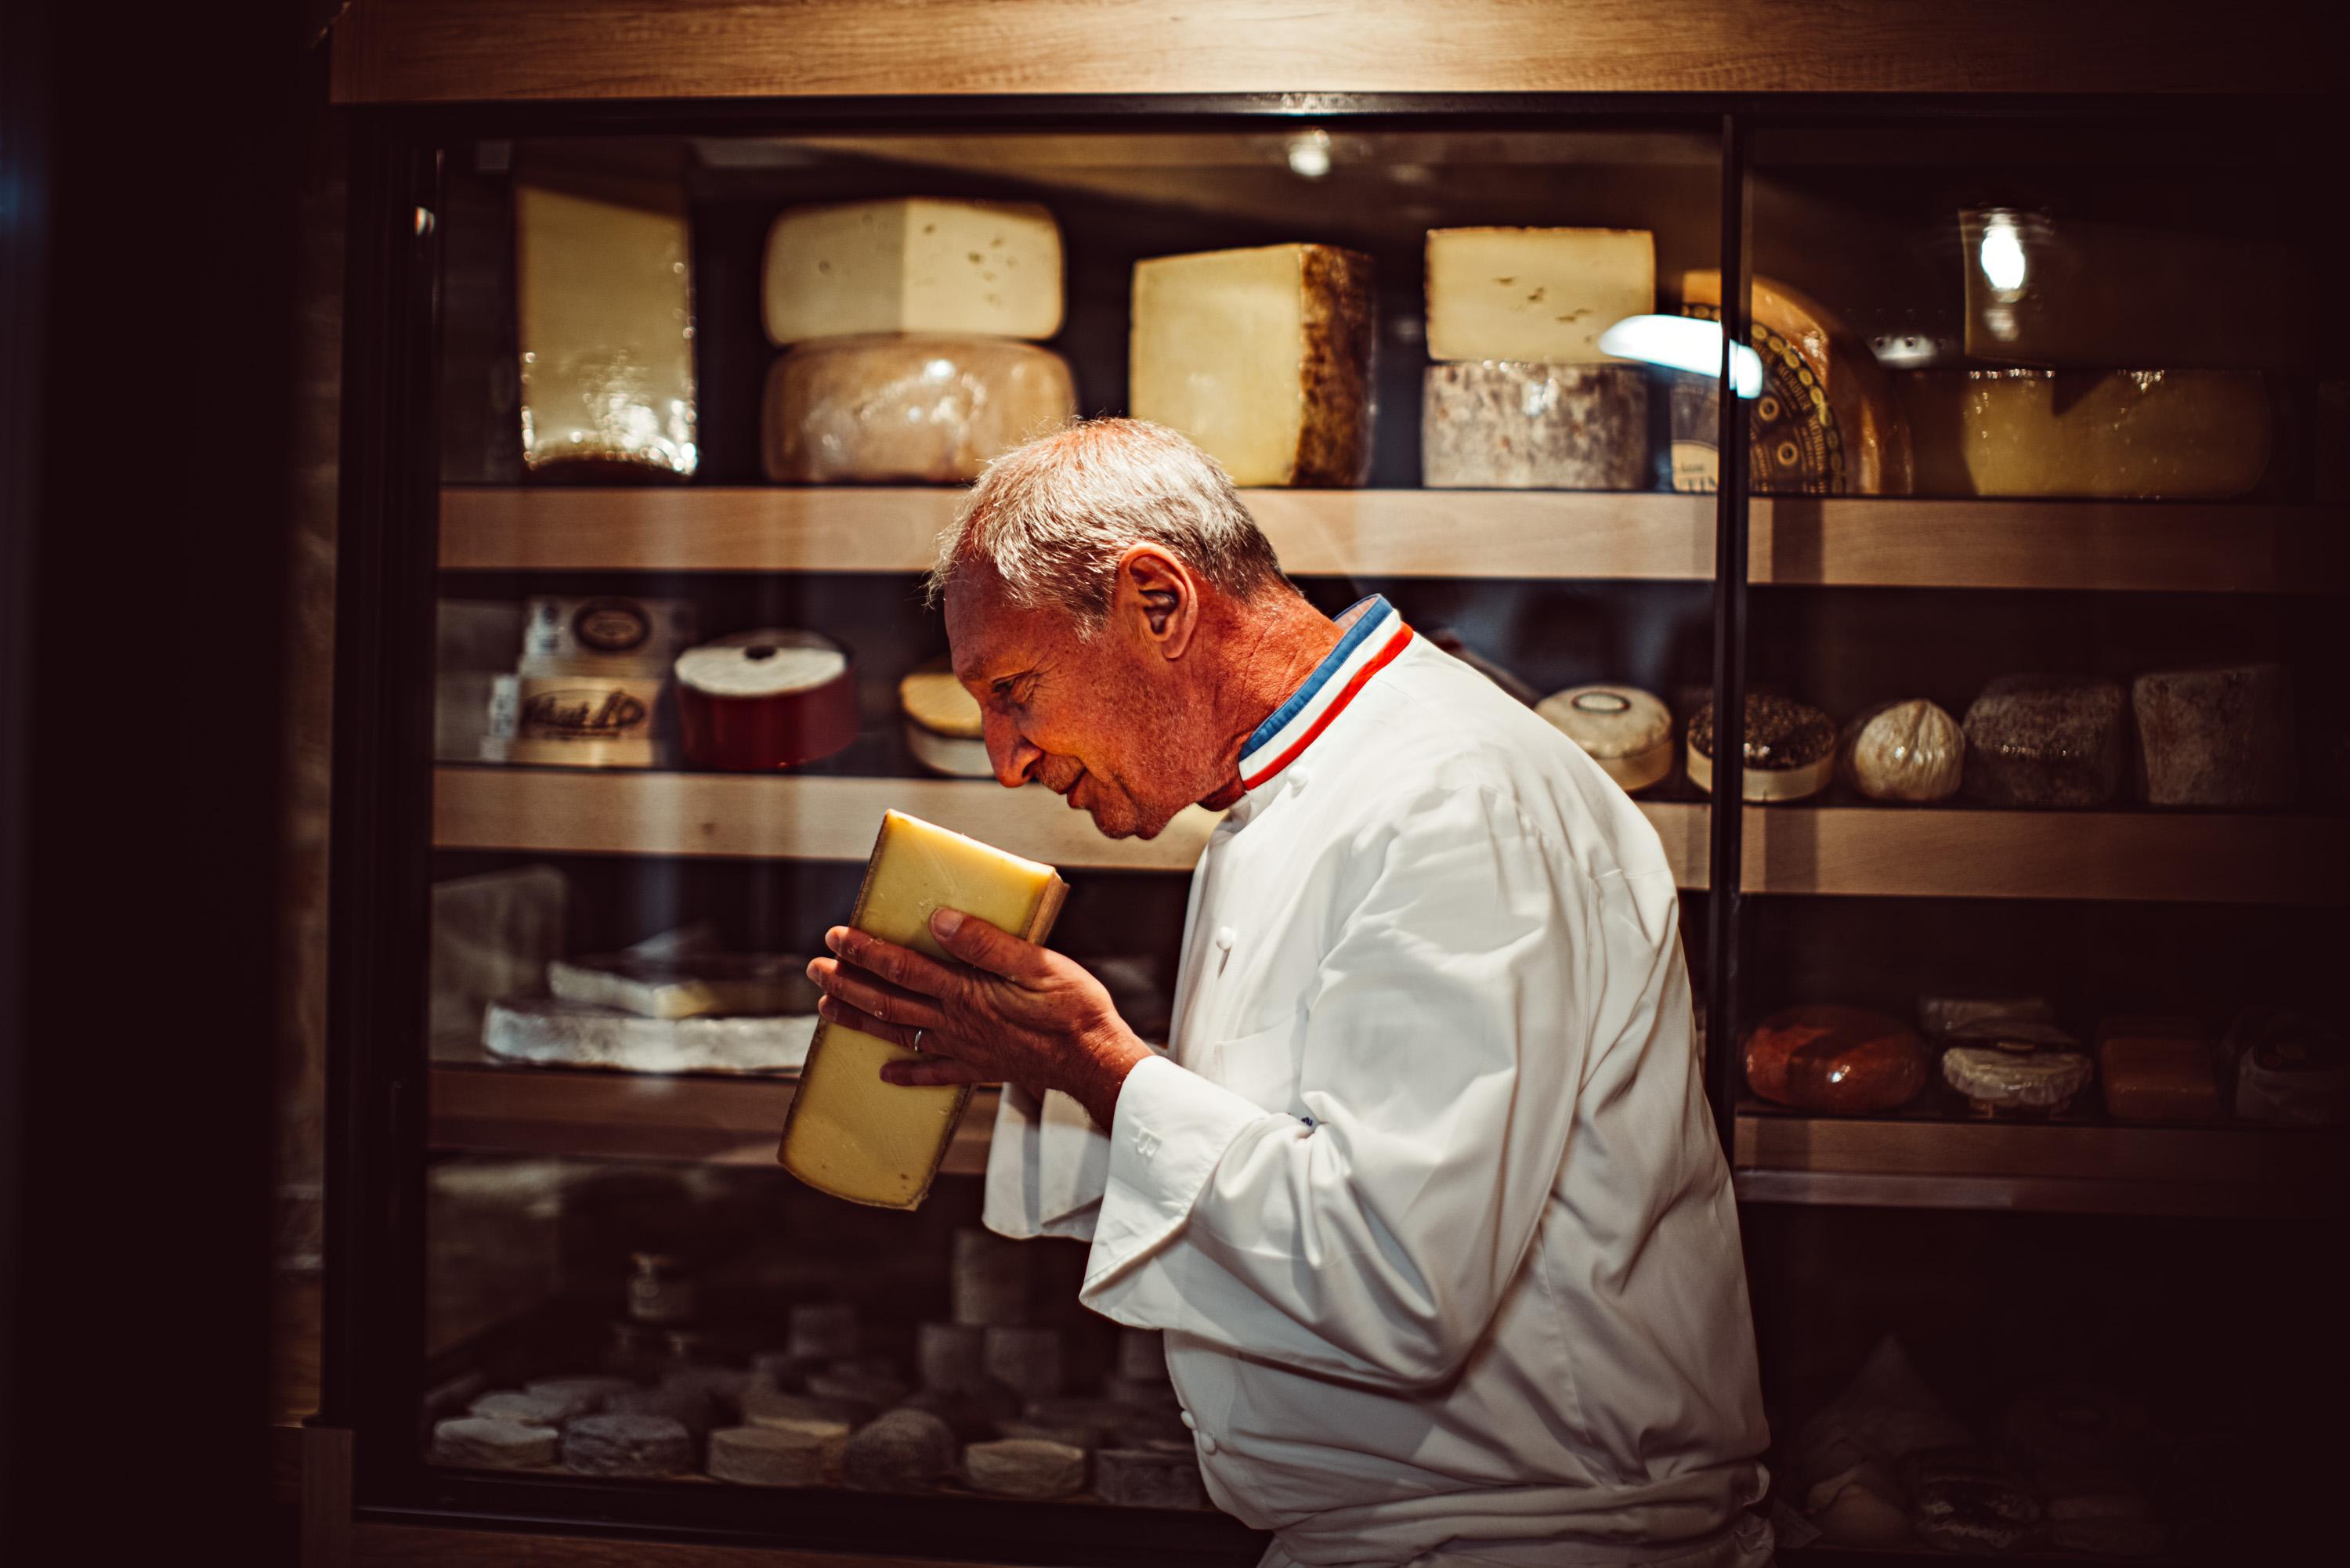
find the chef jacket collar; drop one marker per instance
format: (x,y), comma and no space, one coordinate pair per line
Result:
(1376,635)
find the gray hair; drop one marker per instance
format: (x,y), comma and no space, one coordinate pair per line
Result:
(1051,517)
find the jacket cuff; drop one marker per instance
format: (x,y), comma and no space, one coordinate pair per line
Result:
(1170,1130)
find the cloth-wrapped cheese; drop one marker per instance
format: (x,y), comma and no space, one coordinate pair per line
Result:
(1910,750)
(908,410)
(2216,737)
(2045,740)
(2291,1068)
(1844,1060)
(1503,425)
(1999,1078)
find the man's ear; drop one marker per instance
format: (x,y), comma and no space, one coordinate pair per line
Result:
(1157,599)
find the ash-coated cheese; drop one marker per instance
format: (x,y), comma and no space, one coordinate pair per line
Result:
(532,1409)
(1539,294)
(1023,1467)
(913,265)
(604,287)
(483,1442)
(766,1456)
(908,410)
(628,1445)
(1510,425)
(904,1450)
(584,1392)
(2047,741)
(987,1278)
(2111,434)
(551,1032)
(951,1356)
(849,1133)
(1790,750)
(1260,357)
(1027,1359)
(1149,1478)
(2216,737)
(1626,730)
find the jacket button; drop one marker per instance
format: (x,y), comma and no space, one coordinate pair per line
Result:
(1224,935)
(1207,1444)
(1298,778)
(1193,1425)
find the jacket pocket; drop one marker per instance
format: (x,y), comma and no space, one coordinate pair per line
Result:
(1260,1066)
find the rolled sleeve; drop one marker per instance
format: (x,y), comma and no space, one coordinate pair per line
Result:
(1170,1130)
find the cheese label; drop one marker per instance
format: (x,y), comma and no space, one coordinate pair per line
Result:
(1794,444)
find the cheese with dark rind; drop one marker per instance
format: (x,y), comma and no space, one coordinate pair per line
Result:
(637,1445)
(2108,434)
(1542,294)
(2047,741)
(1505,425)
(903,1450)
(550,1032)
(604,289)
(1149,1478)
(908,410)
(482,1442)
(1262,358)
(2216,737)
(766,1456)
(913,265)
(1790,749)
(1842,1060)
(1023,1467)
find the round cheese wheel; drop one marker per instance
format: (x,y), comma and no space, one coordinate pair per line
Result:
(949,754)
(1995,1078)
(1843,1060)
(905,1450)
(530,1410)
(1025,1467)
(764,700)
(628,1445)
(1910,750)
(483,1443)
(909,408)
(1789,749)
(767,1456)
(932,698)
(1628,733)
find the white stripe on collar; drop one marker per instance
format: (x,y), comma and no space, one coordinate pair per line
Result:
(1378,635)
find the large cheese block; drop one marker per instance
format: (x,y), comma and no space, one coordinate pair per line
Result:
(1261,357)
(604,288)
(2047,741)
(1626,730)
(1844,1060)
(913,265)
(766,1456)
(849,1133)
(1911,751)
(908,410)
(2216,737)
(1790,750)
(1510,425)
(549,1031)
(1025,1467)
(1542,294)
(480,1442)
(2130,434)
(2050,291)
(1825,422)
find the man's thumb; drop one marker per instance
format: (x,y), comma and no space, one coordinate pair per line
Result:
(979,944)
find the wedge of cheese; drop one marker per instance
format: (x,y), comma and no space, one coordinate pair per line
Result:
(849,1133)
(604,284)
(913,265)
(1261,357)
(1539,294)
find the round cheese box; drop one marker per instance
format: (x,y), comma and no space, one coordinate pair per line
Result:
(764,699)
(1626,731)
(1791,749)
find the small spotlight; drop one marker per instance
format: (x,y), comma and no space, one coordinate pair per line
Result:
(1683,343)
(1309,154)
(2000,252)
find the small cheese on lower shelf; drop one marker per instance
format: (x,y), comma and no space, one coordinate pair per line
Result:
(908,410)
(849,1133)
(485,1443)
(1260,357)
(1028,1359)
(913,265)
(2047,741)
(2113,434)
(943,723)
(766,1456)
(1023,1467)
(1510,425)
(1542,294)
(628,1445)
(550,1032)
(949,754)
(1626,730)
(904,1450)
(2216,737)
(604,290)
(1149,1477)
(826,1421)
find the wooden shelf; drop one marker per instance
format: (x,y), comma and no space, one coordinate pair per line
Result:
(1938,852)
(2075,1168)
(1857,542)
(793,817)
(486,1109)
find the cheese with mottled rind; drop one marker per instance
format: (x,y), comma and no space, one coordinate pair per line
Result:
(550,1032)
(2216,737)
(1149,1478)
(484,1442)
(913,265)
(766,1456)
(908,410)
(1543,294)
(1025,1467)
(849,1133)
(1508,425)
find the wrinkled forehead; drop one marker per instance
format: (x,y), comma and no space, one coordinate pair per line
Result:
(988,637)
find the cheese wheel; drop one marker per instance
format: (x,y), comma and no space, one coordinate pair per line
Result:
(766,1456)
(692,985)
(549,1032)
(1842,1060)
(827,1422)
(857,1382)
(481,1443)
(722,1385)
(1097,1419)
(1628,733)
(1023,1467)
(610,634)
(2216,737)
(1910,750)
(624,1445)
(932,698)
(1260,357)
(949,754)
(2158,1078)
(1027,1359)
(913,265)
(1149,1478)
(910,409)
(2045,740)
(904,1450)
(1995,1078)
(1505,425)
(1540,295)
(972,1419)
(1789,749)
(760,700)
(2108,434)
(530,1410)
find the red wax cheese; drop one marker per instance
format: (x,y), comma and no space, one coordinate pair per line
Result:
(764,699)
(1843,1060)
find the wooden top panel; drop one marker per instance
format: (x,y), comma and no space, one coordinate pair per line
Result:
(446,51)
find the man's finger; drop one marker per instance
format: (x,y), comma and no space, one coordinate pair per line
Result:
(931,1071)
(887,1002)
(842,1015)
(899,966)
(986,946)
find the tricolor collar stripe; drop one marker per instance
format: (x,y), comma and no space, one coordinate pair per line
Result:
(1368,646)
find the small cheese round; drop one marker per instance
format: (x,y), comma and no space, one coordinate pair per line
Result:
(862,1384)
(1023,1467)
(1626,730)
(689,1407)
(480,1442)
(530,1410)
(1995,1079)
(767,1456)
(904,1450)
(932,698)
(1789,749)
(1910,750)
(636,1445)
(1149,1478)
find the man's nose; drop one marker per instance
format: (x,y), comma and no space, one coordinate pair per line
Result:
(1008,752)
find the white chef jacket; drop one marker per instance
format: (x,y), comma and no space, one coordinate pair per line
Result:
(1425,1196)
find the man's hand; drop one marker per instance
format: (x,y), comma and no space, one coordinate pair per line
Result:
(1010,1012)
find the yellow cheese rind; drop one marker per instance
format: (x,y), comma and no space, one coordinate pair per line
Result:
(932,698)
(2173,435)
(1538,295)
(913,265)
(849,1133)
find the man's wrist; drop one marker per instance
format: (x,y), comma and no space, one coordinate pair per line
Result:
(1110,1060)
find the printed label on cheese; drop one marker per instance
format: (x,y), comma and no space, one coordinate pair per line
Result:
(917,265)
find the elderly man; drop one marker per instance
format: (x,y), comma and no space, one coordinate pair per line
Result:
(1424,1192)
